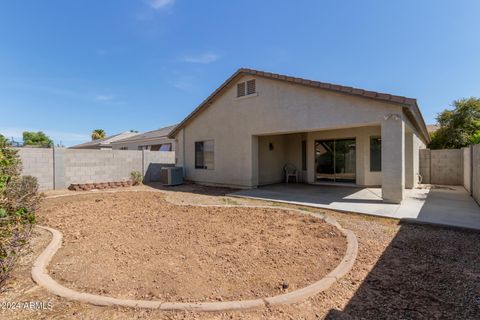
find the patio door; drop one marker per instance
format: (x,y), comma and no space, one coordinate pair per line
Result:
(335,160)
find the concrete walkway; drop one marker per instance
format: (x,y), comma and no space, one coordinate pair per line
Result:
(444,205)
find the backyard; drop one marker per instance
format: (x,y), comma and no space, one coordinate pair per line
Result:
(155,243)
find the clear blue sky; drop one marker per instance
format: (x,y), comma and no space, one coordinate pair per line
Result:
(67,67)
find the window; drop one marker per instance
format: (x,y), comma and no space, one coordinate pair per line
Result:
(251,87)
(241,89)
(123,148)
(204,154)
(246,88)
(375,154)
(166,147)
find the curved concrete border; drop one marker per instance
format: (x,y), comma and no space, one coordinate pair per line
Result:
(41,277)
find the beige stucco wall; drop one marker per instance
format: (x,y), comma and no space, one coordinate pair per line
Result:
(467,168)
(286,149)
(134,145)
(476,172)
(237,126)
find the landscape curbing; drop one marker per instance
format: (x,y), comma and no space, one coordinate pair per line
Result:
(42,278)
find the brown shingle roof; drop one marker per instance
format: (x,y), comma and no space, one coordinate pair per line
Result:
(407,102)
(104,141)
(154,134)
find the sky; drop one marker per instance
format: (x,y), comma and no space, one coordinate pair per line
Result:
(68,67)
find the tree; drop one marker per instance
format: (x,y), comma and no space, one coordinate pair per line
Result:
(37,139)
(459,127)
(19,199)
(98,134)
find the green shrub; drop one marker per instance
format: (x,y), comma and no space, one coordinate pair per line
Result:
(19,199)
(136,177)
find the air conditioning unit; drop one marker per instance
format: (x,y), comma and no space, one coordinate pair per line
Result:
(171,176)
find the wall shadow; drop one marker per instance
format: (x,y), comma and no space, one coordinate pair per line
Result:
(426,272)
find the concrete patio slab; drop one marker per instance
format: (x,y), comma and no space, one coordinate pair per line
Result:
(443,205)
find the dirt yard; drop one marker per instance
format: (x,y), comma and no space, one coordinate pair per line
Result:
(136,245)
(402,271)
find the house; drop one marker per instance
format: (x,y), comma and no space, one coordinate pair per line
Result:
(105,143)
(256,122)
(156,140)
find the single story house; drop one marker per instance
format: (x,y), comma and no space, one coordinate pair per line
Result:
(105,143)
(156,140)
(256,122)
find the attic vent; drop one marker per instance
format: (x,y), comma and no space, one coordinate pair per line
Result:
(251,87)
(241,89)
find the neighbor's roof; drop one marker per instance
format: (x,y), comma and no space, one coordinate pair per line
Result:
(161,133)
(105,141)
(410,103)
(432,127)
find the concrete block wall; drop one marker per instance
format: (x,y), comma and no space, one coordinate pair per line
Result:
(38,162)
(467,168)
(153,161)
(58,168)
(476,172)
(84,166)
(425,160)
(453,167)
(446,166)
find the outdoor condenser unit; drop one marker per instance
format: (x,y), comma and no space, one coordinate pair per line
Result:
(171,176)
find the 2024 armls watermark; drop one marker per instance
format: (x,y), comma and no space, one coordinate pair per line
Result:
(26,305)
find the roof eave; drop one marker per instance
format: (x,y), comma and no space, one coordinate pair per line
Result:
(404,101)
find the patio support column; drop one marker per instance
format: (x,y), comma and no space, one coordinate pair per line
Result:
(393,158)
(409,160)
(254,152)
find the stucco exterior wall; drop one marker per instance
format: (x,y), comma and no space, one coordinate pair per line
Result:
(467,168)
(279,108)
(135,144)
(271,162)
(476,173)
(424,165)
(418,146)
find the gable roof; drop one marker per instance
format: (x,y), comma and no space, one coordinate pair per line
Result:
(149,135)
(409,103)
(104,142)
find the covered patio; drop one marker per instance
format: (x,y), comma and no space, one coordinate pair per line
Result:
(443,205)
(382,157)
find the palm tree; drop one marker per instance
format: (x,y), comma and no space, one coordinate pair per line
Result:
(98,134)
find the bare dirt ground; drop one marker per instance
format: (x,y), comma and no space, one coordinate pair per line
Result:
(136,245)
(403,271)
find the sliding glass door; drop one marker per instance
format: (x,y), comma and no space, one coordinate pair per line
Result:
(335,160)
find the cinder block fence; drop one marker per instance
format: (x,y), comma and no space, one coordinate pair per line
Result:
(57,168)
(452,167)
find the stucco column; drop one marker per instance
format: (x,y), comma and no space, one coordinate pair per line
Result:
(409,160)
(393,158)
(254,177)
